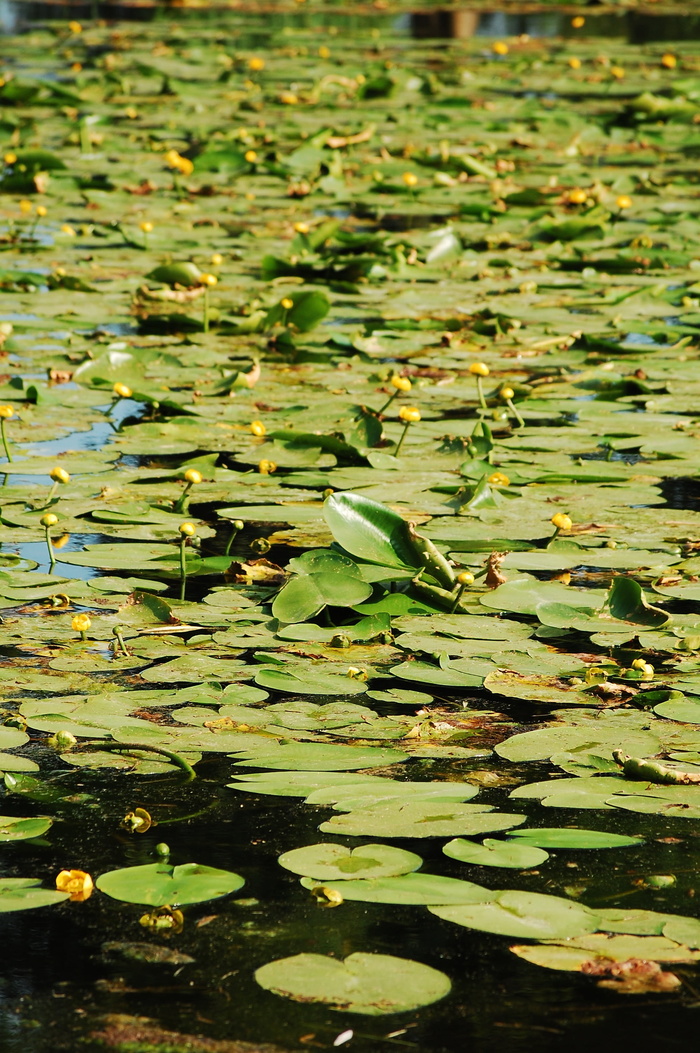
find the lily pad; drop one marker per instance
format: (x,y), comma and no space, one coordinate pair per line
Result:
(158,884)
(371,984)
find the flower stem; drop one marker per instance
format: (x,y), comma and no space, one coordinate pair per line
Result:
(175,758)
(5,443)
(406,426)
(387,403)
(513,409)
(183,568)
(205,319)
(49,546)
(480,392)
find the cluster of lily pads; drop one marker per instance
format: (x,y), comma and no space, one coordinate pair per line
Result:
(344,391)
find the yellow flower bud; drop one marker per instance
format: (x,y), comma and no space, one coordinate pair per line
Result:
(209,279)
(667,60)
(25,206)
(193,476)
(75,27)
(41,211)
(49,519)
(59,475)
(67,229)
(574,63)
(266,467)
(256,64)
(479,369)
(401,383)
(578,22)
(81,623)
(507,393)
(122,391)
(258,428)
(302,228)
(410,179)
(188,529)
(577,196)
(498,479)
(561,521)
(10,158)
(617,72)
(409,414)
(465,578)
(623,201)
(500,48)
(287,303)
(250,156)
(216,259)
(146,226)
(7,411)
(238,524)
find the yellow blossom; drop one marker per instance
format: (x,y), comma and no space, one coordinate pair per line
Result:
(288,98)
(561,521)
(257,428)
(188,529)
(506,393)
(80,623)
(75,27)
(250,156)
(577,196)
(41,211)
(302,228)
(500,48)
(574,63)
(192,476)
(266,467)
(49,520)
(67,229)
(287,303)
(578,22)
(146,226)
(10,158)
(77,883)
(324,52)
(7,411)
(401,383)
(410,179)
(617,72)
(216,259)
(479,369)
(209,279)
(623,201)
(25,206)
(122,391)
(498,479)
(669,61)
(59,475)
(465,578)
(409,414)
(256,64)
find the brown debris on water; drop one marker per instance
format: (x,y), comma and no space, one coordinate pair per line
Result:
(124,1032)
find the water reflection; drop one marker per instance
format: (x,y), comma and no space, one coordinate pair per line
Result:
(631,26)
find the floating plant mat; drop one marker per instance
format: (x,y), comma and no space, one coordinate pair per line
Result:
(350,520)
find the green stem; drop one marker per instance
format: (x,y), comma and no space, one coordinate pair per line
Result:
(480,392)
(205,319)
(232,537)
(458,597)
(4,440)
(512,407)
(182,502)
(432,559)
(49,546)
(52,494)
(183,568)
(406,426)
(387,403)
(119,644)
(175,758)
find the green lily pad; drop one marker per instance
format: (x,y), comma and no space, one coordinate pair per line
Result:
(371,984)
(420,819)
(159,884)
(565,837)
(335,862)
(494,853)
(408,889)
(528,915)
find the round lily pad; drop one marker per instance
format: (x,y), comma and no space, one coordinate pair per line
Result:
(372,984)
(14,828)
(335,862)
(158,884)
(494,853)
(524,914)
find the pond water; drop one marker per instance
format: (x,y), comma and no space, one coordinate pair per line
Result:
(303,278)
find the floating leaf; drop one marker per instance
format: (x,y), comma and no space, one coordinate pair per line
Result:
(372,984)
(329,862)
(493,853)
(158,884)
(524,914)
